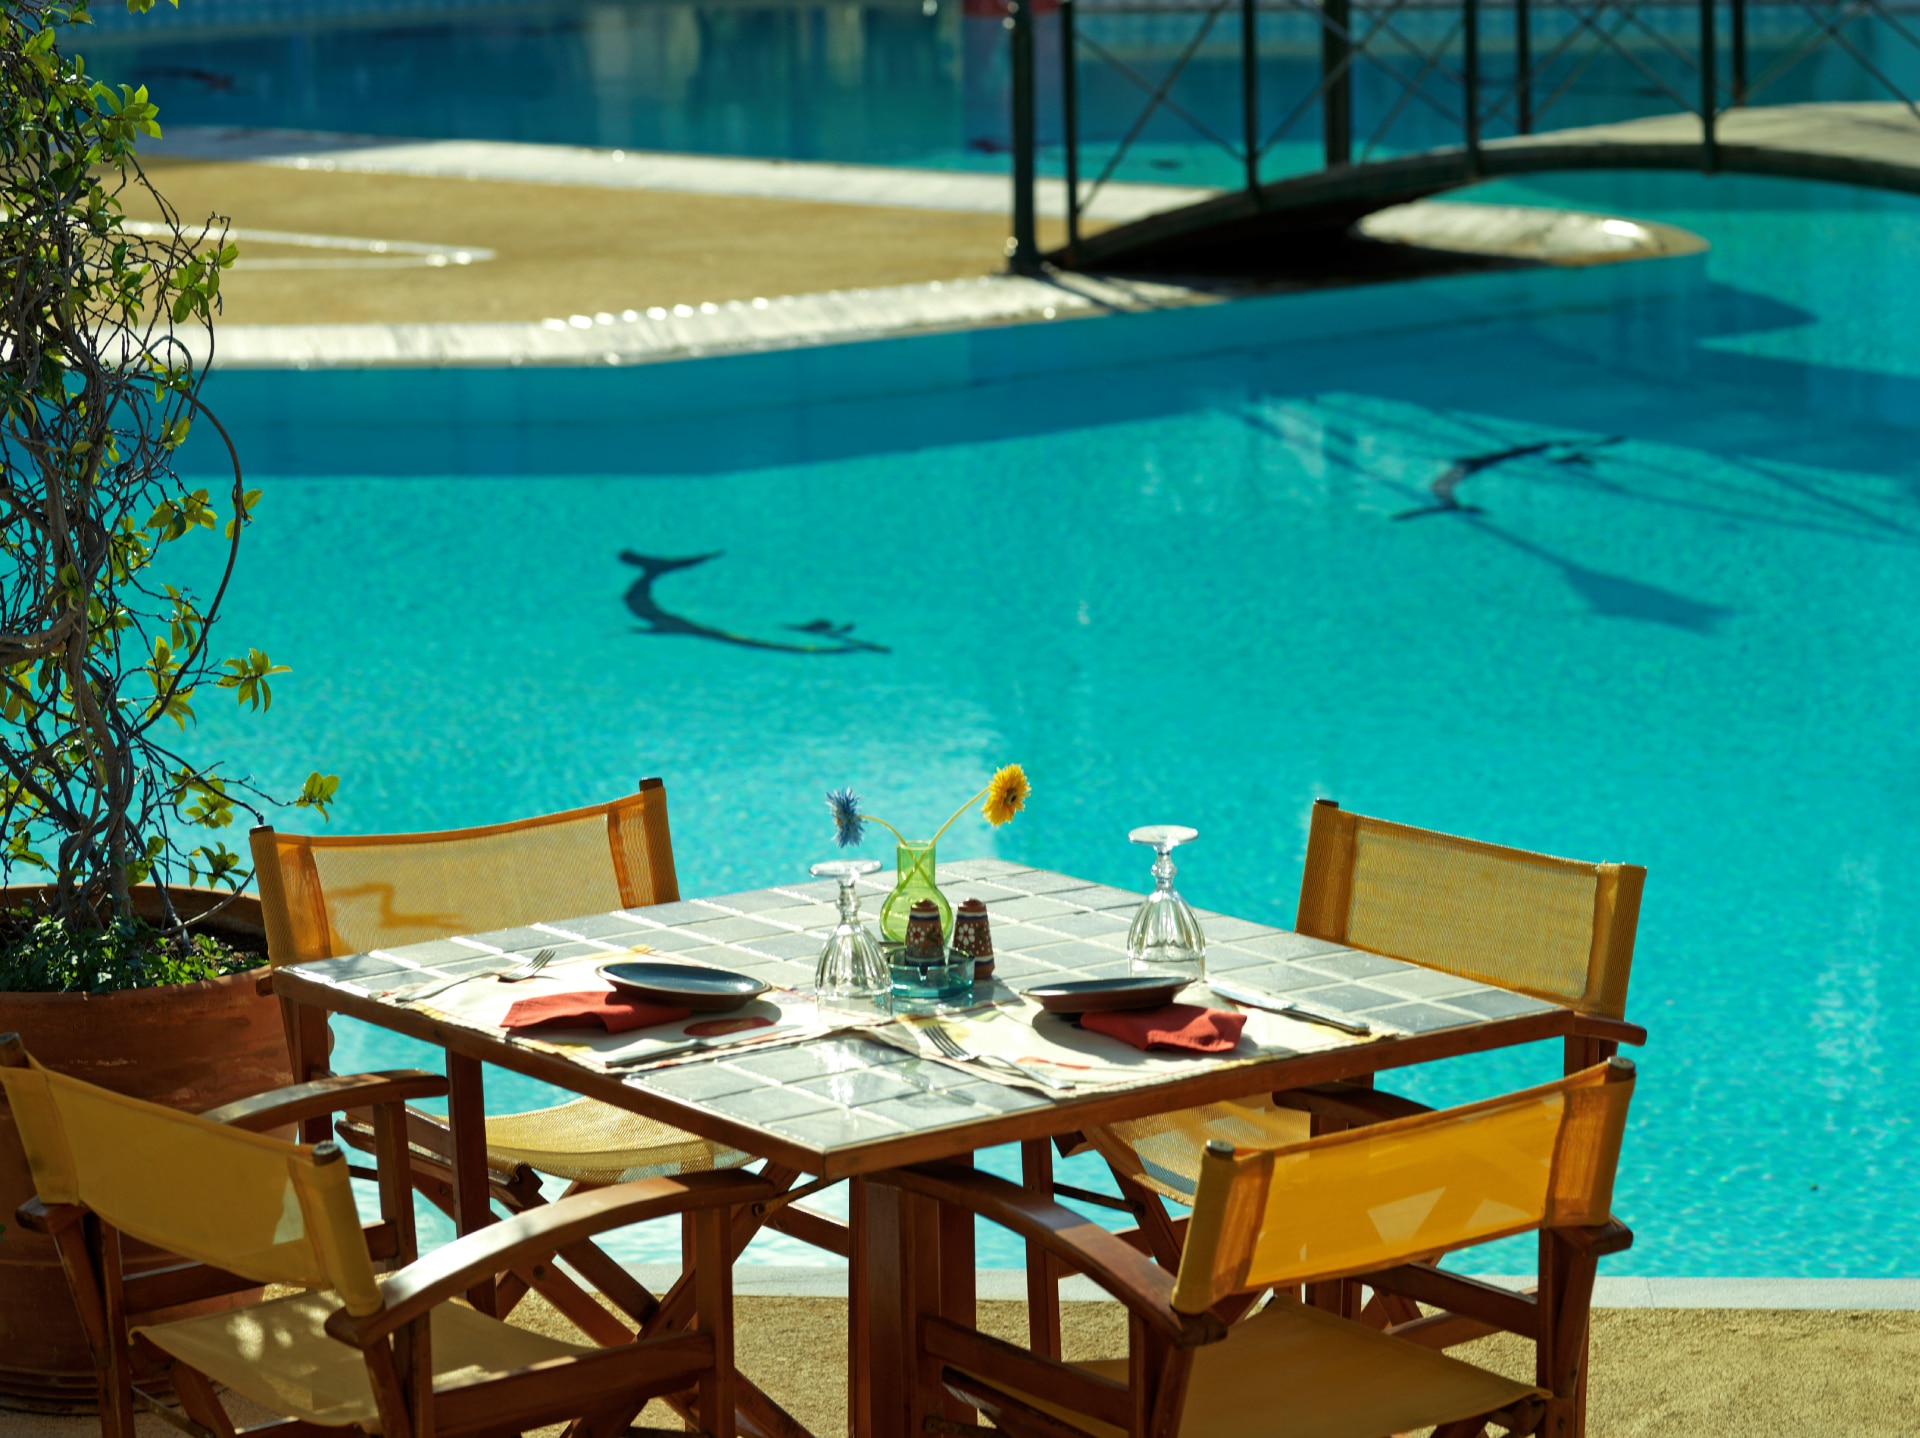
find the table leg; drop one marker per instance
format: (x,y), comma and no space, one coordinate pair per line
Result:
(1043,1286)
(911,1258)
(957,1297)
(467,1125)
(879,1393)
(309,1051)
(859,1406)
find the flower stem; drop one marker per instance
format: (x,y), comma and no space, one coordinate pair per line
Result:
(870,819)
(961,810)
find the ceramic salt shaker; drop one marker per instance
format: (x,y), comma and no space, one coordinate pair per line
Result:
(925,943)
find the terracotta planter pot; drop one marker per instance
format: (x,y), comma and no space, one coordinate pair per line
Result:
(190,1046)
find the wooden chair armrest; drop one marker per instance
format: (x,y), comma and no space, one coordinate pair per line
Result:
(537,1234)
(49,1219)
(297,1102)
(1613,1236)
(1350,1103)
(1125,1272)
(263,985)
(1619,1031)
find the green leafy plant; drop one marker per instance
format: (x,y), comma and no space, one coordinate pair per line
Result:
(44,956)
(106,332)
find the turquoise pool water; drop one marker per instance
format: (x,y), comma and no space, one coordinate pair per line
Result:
(1158,560)
(922,83)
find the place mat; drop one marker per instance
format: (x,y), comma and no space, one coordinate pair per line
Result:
(775,1017)
(1026,1034)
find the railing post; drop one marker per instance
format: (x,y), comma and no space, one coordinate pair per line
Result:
(1250,90)
(1738,40)
(1523,66)
(1070,107)
(1336,102)
(1023,250)
(1470,67)
(1709,87)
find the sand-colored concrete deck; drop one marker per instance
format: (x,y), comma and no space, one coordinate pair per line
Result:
(1657,1373)
(415,236)
(558,250)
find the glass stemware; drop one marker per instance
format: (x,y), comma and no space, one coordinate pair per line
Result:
(1165,938)
(851,973)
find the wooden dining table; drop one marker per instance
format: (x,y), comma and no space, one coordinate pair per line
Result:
(834,1098)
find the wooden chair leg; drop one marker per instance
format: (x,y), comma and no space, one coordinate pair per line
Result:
(577,1305)
(116,1373)
(1156,1228)
(1384,1310)
(760,1415)
(712,1265)
(199,1400)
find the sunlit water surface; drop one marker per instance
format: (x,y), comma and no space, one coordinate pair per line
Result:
(1681,633)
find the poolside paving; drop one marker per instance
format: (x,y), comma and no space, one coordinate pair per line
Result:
(364,252)
(558,249)
(1657,1373)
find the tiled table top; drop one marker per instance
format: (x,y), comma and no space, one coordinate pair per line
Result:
(850,1089)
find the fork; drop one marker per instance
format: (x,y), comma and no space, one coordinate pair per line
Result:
(513,975)
(950,1046)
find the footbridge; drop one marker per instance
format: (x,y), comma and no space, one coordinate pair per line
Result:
(1327,110)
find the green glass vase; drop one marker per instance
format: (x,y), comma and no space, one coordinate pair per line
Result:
(913,880)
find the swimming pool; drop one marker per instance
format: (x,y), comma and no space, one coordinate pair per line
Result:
(905,82)
(1160,560)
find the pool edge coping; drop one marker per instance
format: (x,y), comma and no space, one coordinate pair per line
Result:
(1790,1294)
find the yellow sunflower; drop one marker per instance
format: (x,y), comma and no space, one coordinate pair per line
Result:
(1006,795)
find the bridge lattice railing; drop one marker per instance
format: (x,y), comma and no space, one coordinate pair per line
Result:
(1368,79)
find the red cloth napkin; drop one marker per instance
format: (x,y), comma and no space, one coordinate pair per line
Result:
(1177,1026)
(616,1012)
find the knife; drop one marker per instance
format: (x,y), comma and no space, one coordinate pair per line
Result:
(1292,1008)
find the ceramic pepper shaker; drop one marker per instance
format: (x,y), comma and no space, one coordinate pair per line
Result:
(972,937)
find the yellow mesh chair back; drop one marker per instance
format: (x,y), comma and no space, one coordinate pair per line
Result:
(1558,929)
(251,1205)
(1370,1198)
(327,895)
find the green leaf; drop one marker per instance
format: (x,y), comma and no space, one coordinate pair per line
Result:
(317,792)
(249,677)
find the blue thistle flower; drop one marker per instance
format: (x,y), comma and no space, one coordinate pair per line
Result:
(848,827)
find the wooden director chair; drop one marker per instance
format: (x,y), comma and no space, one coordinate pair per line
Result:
(1556,929)
(349,1352)
(325,896)
(1363,1201)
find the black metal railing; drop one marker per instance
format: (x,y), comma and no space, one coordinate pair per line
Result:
(1380,77)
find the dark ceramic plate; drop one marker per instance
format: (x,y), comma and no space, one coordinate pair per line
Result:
(688,985)
(1099,996)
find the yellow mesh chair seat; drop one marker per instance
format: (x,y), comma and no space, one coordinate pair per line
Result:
(1163,1152)
(587,1141)
(1294,1372)
(278,1354)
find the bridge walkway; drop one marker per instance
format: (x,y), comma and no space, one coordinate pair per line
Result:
(1875,144)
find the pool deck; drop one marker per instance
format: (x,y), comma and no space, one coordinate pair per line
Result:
(366,252)
(1656,1372)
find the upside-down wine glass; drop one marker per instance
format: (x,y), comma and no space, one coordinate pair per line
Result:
(1166,939)
(851,973)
